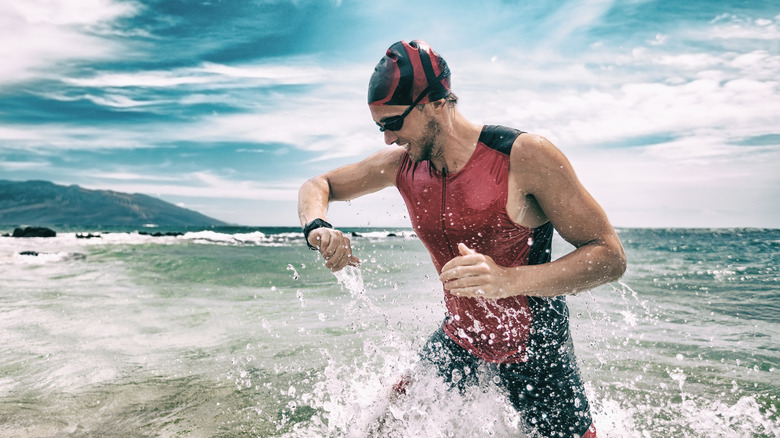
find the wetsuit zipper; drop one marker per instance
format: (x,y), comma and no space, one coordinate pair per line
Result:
(444,211)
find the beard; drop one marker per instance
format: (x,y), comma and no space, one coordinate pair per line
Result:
(427,143)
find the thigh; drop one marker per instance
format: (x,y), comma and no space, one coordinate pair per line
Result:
(452,362)
(552,398)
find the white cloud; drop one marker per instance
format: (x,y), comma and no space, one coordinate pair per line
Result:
(687,182)
(576,15)
(317,127)
(69,12)
(332,120)
(686,109)
(659,40)
(289,72)
(146,79)
(292,71)
(683,109)
(52,138)
(730,26)
(23,165)
(660,93)
(38,34)
(19,133)
(686,61)
(132,176)
(107,99)
(204,185)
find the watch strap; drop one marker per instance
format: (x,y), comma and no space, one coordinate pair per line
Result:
(311,226)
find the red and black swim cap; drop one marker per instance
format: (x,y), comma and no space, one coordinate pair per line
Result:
(405,71)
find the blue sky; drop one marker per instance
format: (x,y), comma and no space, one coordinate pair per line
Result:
(669,110)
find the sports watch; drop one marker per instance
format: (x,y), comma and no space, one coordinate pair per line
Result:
(311,226)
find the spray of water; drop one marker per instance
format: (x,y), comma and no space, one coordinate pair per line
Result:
(355,397)
(358,399)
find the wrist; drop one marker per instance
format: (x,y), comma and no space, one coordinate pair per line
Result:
(506,287)
(311,226)
(513,281)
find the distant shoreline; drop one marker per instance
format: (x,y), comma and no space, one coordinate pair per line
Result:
(269,229)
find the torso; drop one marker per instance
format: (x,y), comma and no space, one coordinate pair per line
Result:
(473,206)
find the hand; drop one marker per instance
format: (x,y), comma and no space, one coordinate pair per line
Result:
(474,275)
(335,248)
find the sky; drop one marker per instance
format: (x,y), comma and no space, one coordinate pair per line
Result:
(668,110)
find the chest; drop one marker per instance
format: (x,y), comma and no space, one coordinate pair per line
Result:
(465,203)
(469,207)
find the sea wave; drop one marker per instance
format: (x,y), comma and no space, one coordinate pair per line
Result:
(70,245)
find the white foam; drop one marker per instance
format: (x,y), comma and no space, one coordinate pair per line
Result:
(207,236)
(693,416)
(356,398)
(65,245)
(382,235)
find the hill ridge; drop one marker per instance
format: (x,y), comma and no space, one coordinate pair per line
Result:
(38,202)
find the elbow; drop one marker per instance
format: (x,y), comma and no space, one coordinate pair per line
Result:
(318,185)
(616,257)
(618,264)
(622,266)
(313,182)
(307,185)
(612,261)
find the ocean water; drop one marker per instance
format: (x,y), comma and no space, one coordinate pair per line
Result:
(241,332)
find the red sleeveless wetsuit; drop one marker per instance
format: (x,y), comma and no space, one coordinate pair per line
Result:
(470,207)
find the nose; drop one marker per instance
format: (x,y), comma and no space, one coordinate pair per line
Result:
(390,137)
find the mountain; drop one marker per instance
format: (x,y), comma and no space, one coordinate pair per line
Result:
(45,203)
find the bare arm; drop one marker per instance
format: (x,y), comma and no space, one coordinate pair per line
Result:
(354,180)
(598,257)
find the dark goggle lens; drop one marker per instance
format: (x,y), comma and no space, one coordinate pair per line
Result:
(394,123)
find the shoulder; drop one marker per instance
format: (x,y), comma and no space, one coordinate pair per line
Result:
(537,160)
(499,138)
(388,158)
(536,150)
(385,163)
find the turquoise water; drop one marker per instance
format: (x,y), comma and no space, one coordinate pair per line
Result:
(241,332)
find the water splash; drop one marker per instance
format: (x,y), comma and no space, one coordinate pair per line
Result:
(357,398)
(351,278)
(296,276)
(675,391)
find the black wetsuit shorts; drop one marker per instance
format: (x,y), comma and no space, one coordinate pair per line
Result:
(547,391)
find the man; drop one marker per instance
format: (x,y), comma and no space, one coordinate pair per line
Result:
(484,201)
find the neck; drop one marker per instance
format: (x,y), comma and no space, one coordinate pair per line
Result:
(456,143)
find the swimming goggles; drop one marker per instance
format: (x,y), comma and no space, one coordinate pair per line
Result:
(395,123)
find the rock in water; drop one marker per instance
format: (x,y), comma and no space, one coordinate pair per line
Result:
(34,232)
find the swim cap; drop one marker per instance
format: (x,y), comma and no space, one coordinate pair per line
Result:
(405,71)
